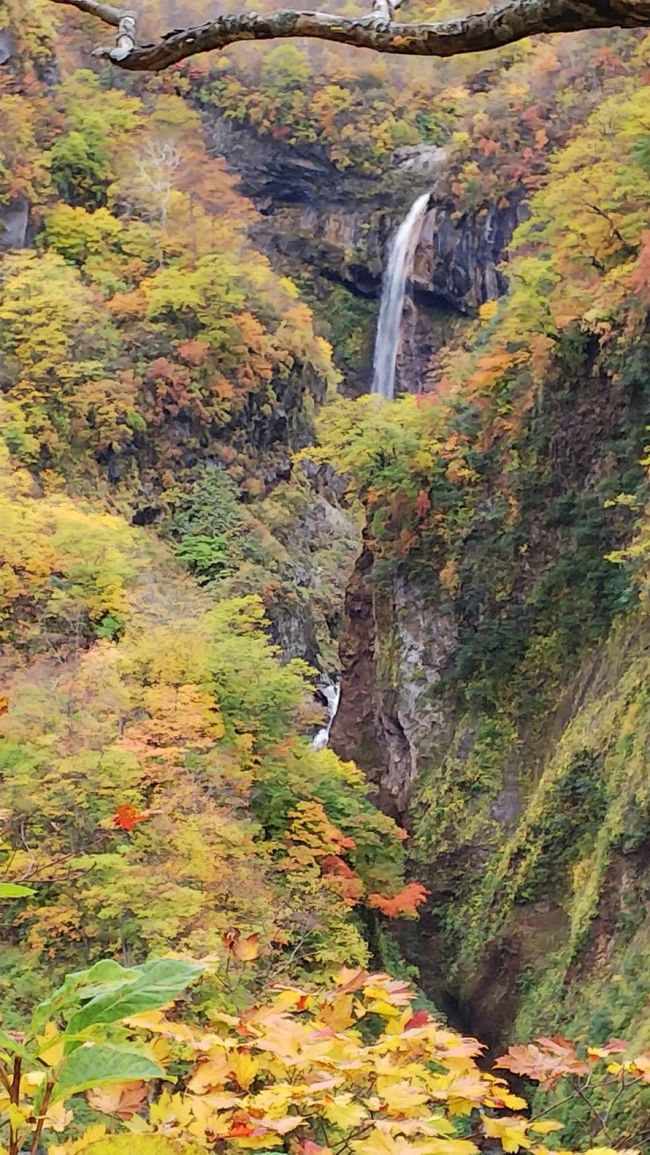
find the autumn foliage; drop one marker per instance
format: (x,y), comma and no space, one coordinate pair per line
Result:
(350,1067)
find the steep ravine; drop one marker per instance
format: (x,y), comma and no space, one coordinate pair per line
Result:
(529,813)
(514,801)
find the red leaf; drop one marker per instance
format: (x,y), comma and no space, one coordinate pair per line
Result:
(332,864)
(419,1019)
(126,816)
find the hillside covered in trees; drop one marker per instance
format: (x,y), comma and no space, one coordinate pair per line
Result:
(219,931)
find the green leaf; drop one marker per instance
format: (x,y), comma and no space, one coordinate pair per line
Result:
(158,982)
(14,890)
(107,973)
(10,1045)
(92,1066)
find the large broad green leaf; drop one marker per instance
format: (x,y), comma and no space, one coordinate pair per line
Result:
(99,977)
(158,982)
(92,1066)
(14,890)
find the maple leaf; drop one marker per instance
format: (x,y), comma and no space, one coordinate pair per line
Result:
(551,1060)
(244,1068)
(510,1131)
(338,1013)
(403,904)
(210,1074)
(126,816)
(419,1019)
(122,1100)
(401,1097)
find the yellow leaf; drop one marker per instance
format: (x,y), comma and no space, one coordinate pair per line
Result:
(221,1100)
(339,1013)
(285,1125)
(57,1118)
(545,1126)
(386,1010)
(158,1024)
(244,1067)
(510,1131)
(401,1097)
(171,1111)
(344,1112)
(287,999)
(247,949)
(210,1075)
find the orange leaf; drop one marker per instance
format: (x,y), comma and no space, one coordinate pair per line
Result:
(551,1060)
(126,817)
(244,949)
(121,1100)
(404,903)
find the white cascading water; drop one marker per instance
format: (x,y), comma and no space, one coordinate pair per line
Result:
(398,271)
(332,694)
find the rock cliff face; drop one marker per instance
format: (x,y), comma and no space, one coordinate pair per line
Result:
(14,224)
(325,225)
(394,654)
(458,257)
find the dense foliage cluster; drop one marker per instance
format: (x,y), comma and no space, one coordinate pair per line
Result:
(158,783)
(352,1068)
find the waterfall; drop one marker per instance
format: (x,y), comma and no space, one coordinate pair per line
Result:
(398,270)
(332,695)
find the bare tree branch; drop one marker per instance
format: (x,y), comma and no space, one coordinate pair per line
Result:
(104,12)
(506,23)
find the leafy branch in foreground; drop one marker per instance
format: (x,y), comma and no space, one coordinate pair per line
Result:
(502,24)
(353,1069)
(73,1044)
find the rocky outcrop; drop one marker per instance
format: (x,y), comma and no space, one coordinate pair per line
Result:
(394,654)
(339,225)
(457,261)
(6,46)
(14,224)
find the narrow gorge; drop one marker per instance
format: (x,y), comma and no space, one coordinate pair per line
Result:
(324,543)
